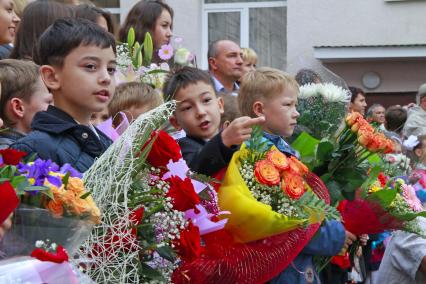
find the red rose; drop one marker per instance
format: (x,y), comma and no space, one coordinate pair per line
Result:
(12,156)
(182,193)
(382,178)
(58,257)
(164,149)
(189,246)
(8,200)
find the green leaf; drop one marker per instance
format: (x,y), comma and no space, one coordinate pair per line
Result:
(3,180)
(65,179)
(148,48)
(167,253)
(131,37)
(305,144)
(383,197)
(324,150)
(157,71)
(151,273)
(204,194)
(18,180)
(36,188)
(84,196)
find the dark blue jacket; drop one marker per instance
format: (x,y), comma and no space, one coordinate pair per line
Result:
(57,136)
(206,157)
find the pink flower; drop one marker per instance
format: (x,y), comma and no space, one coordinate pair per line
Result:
(165,52)
(410,197)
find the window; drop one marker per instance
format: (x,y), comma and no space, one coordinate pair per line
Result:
(261,25)
(112,6)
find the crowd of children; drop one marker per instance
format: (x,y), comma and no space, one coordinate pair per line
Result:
(59,85)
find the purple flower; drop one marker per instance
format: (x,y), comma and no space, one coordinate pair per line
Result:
(67,168)
(39,170)
(165,52)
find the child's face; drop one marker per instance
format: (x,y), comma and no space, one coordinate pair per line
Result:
(99,117)
(85,83)
(135,111)
(198,111)
(8,21)
(421,152)
(359,104)
(39,101)
(280,113)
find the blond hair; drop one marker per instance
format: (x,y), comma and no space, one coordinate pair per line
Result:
(133,94)
(249,55)
(264,83)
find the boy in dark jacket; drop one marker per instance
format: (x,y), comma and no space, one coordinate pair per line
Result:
(77,61)
(198,110)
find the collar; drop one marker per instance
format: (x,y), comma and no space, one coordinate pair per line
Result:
(219,86)
(280,143)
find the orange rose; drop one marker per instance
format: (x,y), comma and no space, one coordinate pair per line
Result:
(298,167)
(390,147)
(293,185)
(266,173)
(55,207)
(278,159)
(68,197)
(79,206)
(352,117)
(365,138)
(76,185)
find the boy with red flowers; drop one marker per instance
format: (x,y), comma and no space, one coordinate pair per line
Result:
(272,94)
(205,148)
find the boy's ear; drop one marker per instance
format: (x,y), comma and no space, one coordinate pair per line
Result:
(17,107)
(258,108)
(221,105)
(50,77)
(173,121)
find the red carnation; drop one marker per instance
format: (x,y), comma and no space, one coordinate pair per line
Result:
(188,246)
(11,156)
(164,149)
(182,193)
(58,257)
(382,178)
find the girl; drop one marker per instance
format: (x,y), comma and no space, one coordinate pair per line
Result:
(8,24)
(154,17)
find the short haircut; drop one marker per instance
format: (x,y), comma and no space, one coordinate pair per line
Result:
(355,92)
(92,13)
(372,108)
(307,76)
(142,17)
(395,116)
(36,18)
(18,79)
(249,54)
(264,83)
(184,77)
(134,94)
(230,107)
(65,35)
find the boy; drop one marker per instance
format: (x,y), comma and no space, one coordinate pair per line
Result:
(272,94)
(23,95)
(198,110)
(77,60)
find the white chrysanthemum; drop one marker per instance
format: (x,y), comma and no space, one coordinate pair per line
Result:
(182,56)
(308,90)
(333,93)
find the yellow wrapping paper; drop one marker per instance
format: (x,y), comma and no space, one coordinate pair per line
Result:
(250,219)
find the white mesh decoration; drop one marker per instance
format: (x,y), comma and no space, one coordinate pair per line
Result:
(109,180)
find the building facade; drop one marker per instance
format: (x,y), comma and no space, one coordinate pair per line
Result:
(378,45)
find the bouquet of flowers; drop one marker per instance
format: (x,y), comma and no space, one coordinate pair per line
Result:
(343,162)
(53,204)
(327,103)
(135,60)
(396,165)
(382,204)
(275,206)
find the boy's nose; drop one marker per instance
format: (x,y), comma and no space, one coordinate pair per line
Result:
(201,111)
(105,78)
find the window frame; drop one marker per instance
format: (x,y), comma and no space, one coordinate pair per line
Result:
(243,8)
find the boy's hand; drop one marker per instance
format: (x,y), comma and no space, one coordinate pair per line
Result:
(239,130)
(363,239)
(349,239)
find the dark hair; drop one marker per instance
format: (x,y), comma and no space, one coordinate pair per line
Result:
(142,17)
(61,38)
(395,116)
(355,92)
(18,79)
(92,13)
(36,18)
(182,78)
(307,76)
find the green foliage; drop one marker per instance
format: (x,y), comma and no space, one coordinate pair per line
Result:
(310,201)
(257,145)
(135,49)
